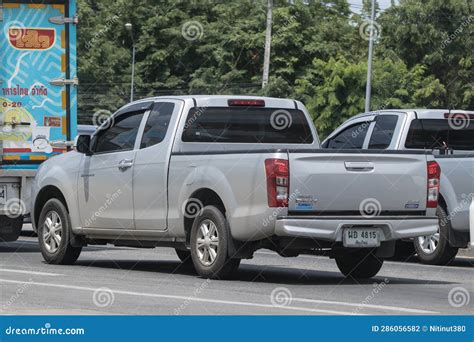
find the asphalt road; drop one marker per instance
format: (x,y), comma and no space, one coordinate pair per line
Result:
(109,280)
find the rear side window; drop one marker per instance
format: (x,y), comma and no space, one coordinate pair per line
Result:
(247,125)
(438,133)
(350,138)
(157,124)
(383,131)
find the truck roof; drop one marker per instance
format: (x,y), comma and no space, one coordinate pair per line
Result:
(422,113)
(221,100)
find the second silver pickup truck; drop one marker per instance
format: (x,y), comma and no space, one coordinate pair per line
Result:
(450,136)
(219,177)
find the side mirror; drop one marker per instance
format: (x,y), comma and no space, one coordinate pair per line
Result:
(82,144)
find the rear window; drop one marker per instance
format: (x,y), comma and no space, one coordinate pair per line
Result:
(436,133)
(247,125)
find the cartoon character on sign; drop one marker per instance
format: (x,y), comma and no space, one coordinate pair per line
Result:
(40,139)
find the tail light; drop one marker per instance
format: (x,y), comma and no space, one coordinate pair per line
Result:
(434,174)
(278,183)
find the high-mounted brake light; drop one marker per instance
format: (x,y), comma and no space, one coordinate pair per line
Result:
(278,182)
(246,103)
(434,175)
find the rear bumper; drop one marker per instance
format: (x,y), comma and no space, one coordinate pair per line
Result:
(330,228)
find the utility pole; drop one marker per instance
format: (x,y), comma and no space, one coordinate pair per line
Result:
(368,88)
(129,27)
(268,44)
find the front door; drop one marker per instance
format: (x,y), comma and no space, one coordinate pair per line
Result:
(105,185)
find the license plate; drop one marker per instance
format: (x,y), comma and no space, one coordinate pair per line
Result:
(361,237)
(3,194)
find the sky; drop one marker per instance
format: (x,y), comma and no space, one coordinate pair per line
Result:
(357,4)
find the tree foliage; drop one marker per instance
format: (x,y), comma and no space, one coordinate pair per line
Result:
(423,56)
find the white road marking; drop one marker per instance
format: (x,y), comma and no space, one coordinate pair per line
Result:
(187,298)
(28,272)
(363,305)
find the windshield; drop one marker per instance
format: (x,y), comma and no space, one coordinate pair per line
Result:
(438,133)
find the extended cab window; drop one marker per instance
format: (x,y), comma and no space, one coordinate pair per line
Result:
(350,138)
(247,125)
(157,124)
(121,135)
(383,131)
(436,133)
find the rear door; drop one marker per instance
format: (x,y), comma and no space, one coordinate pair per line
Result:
(37,72)
(357,183)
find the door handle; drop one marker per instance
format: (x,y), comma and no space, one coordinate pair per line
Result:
(359,166)
(125,164)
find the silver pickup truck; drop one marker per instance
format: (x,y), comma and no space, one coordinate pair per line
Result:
(220,177)
(450,136)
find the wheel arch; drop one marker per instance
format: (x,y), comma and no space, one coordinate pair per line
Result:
(44,195)
(204,197)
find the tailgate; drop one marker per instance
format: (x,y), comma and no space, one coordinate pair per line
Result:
(354,183)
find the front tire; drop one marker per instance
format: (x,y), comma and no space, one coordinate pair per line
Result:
(435,249)
(359,265)
(10,228)
(55,234)
(210,236)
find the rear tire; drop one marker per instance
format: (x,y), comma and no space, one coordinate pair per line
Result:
(435,249)
(55,234)
(10,228)
(210,236)
(359,265)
